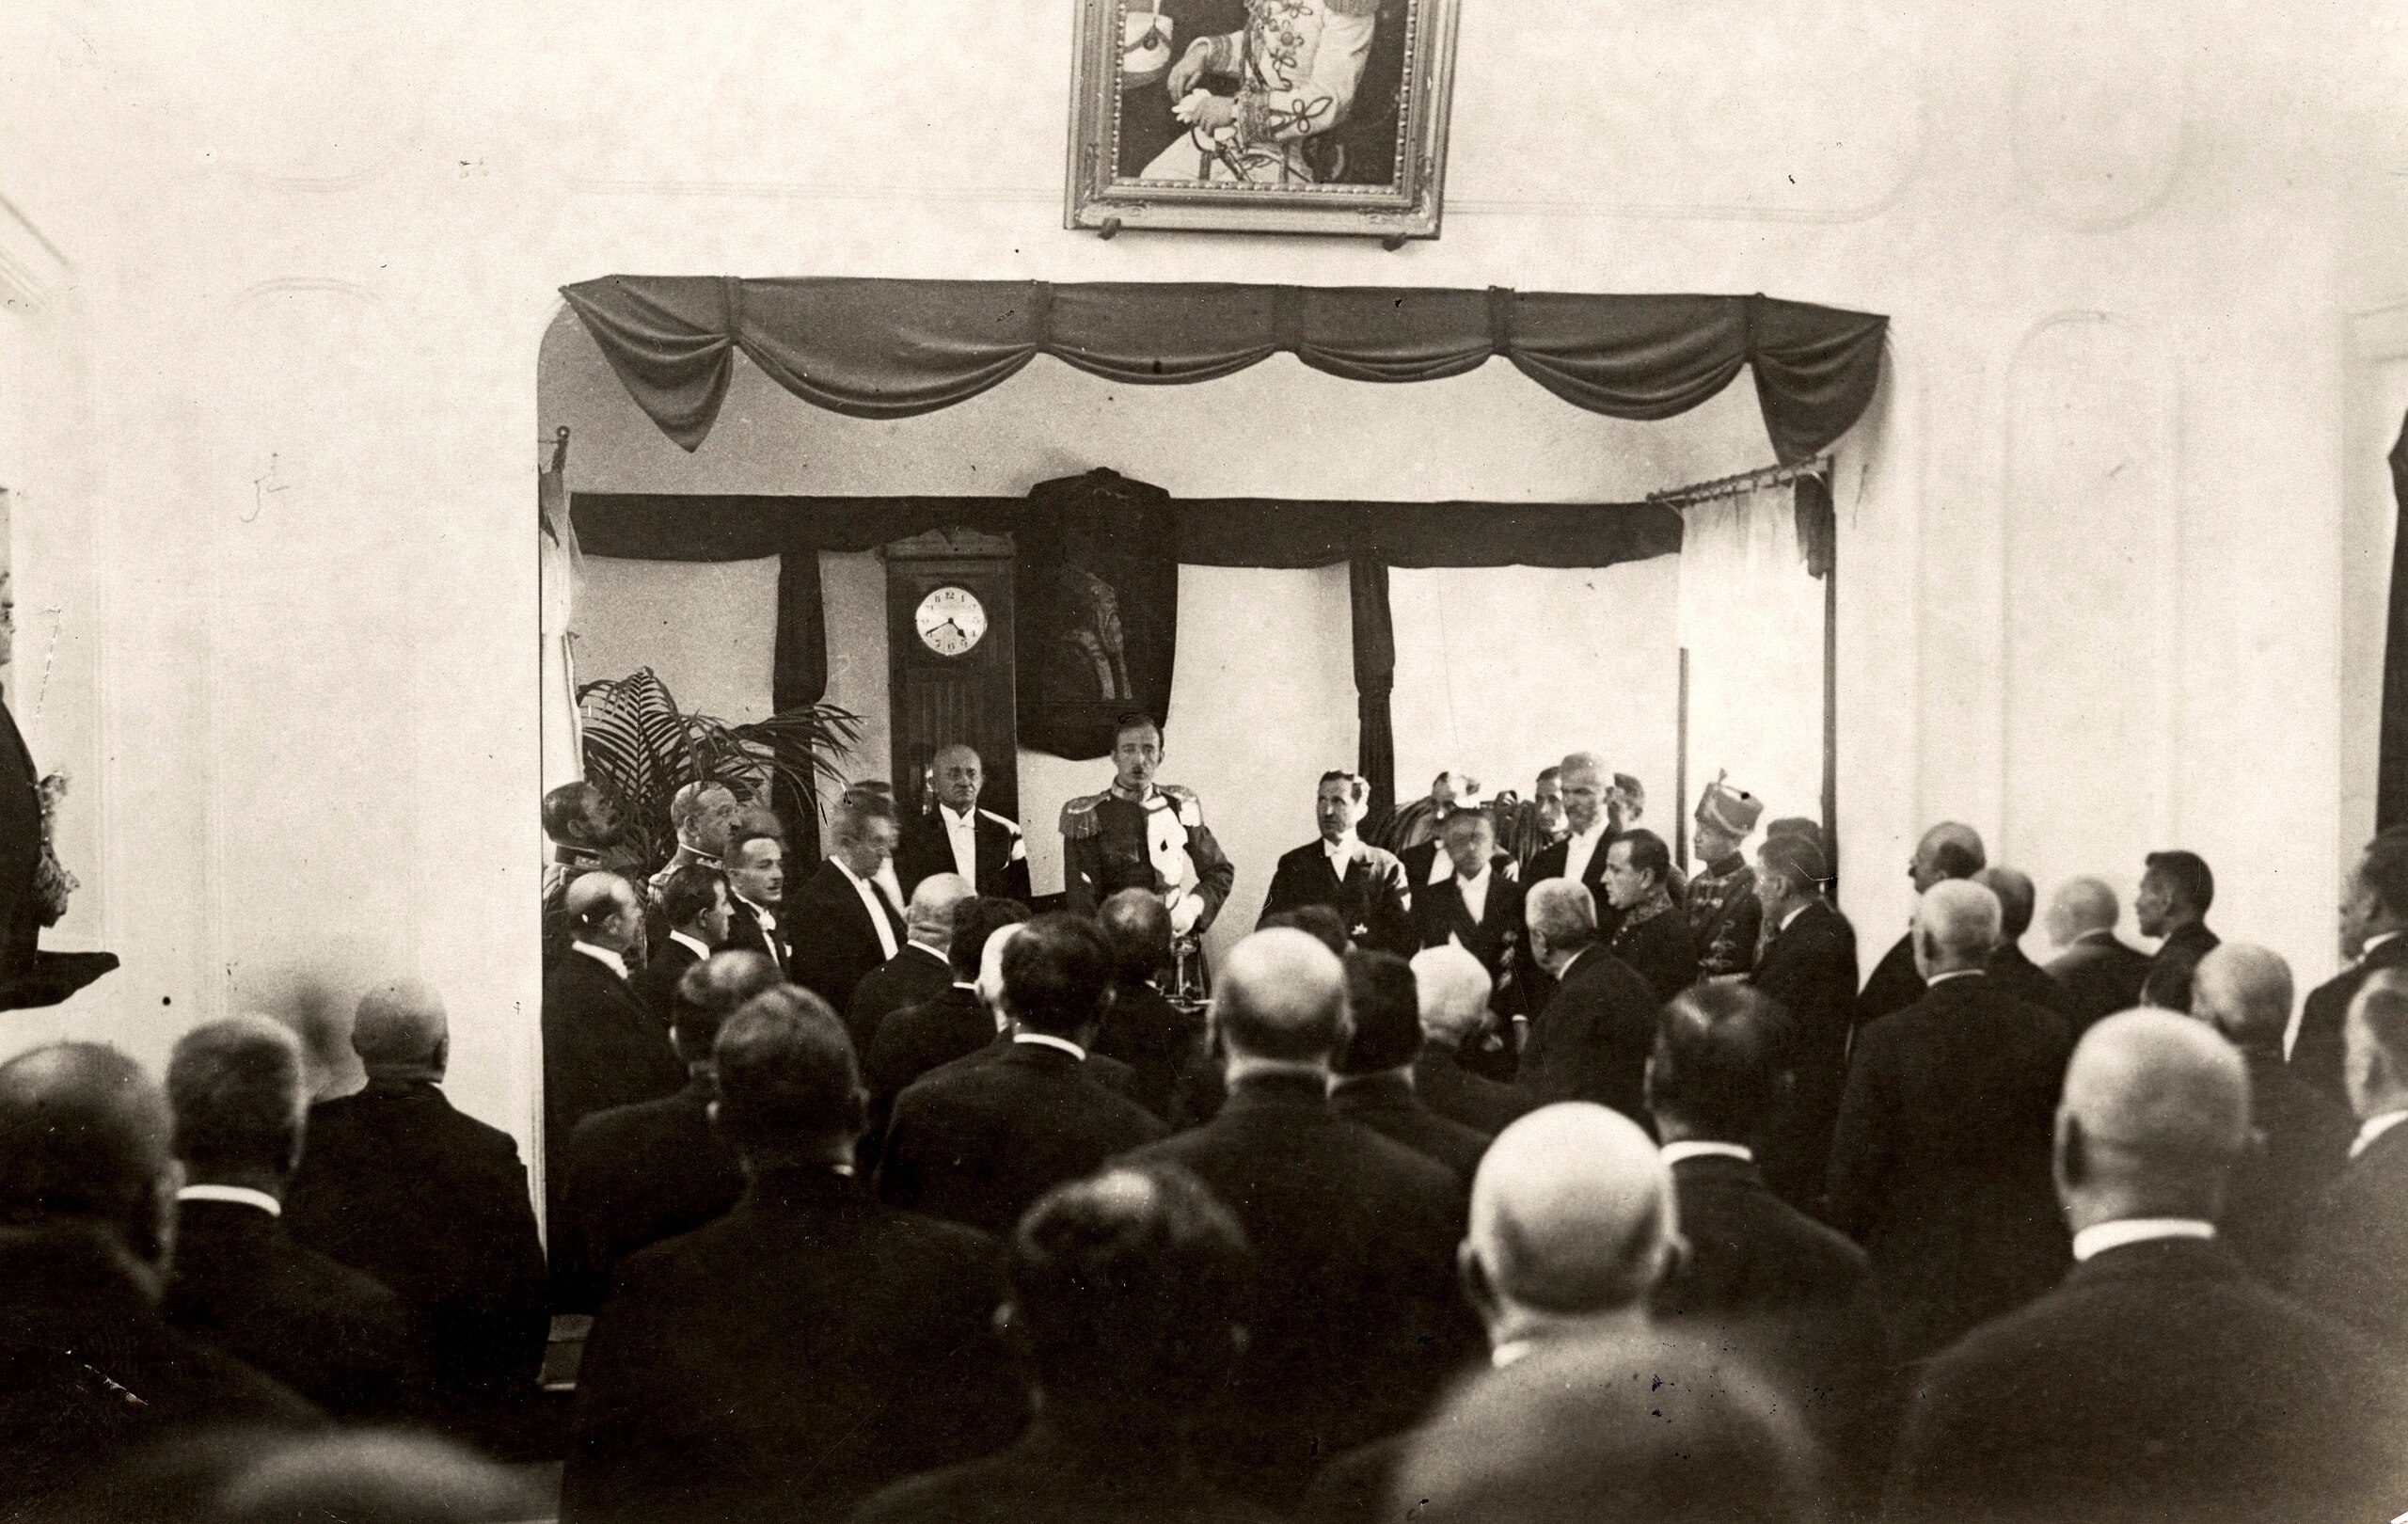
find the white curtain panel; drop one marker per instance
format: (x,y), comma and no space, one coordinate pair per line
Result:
(1752,621)
(558,567)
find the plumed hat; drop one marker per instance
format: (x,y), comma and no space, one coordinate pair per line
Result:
(1730,809)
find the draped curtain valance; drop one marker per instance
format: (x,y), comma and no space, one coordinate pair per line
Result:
(875,348)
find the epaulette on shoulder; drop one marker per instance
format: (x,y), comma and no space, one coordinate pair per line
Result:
(1005,820)
(1078,817)
(1191,809)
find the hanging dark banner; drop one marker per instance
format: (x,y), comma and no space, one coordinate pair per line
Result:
(1097,584)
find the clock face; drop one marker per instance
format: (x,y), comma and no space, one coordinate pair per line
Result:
(950,621)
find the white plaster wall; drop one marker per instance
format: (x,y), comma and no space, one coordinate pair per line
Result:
(317,249)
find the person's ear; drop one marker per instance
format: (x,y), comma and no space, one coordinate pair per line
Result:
(857,1112)
(1477,1290)
(1011,1330)
(294,1140)
(442,1059)
(152,1237)
(2073,1154)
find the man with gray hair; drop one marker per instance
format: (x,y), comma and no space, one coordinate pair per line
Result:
(921,969)
(1588,830)
(2352,1260)
(396,1183)
(957,836)
(701,814)
(1590,1041)
(1940,1165)
(2161,1381)
(340,1338)
(1950,850)
(2102,971)
(1453,989)
(2303,1136)
(844,925)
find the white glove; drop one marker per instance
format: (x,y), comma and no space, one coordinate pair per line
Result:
(1184,913)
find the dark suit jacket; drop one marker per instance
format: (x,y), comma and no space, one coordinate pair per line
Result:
(1659,949)
(79,1337)
(2168,984)
(1481,1104)
(637,1175)
(1592,1041)
(1895,984)
(978,1143)
(2316,1053)
(1941,1165)
(656,984)
(2029,983)
(787,1361)
(2353,1258)
(1420,861)
(2158,1382)
(2302,1143)
(1551,863)
(337,1337)
(1370,899)
(2104,975)
(918,1038)
(745,933)
(836,943)
(1810,967)
(1498,938)
(925,851)
(1356,1320)
(1164,1045)
(1046,1479)
(396,1183)
(603,1047)
(913,975)
(1385,1103)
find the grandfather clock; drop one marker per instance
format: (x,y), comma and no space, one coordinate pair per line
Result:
(949,632)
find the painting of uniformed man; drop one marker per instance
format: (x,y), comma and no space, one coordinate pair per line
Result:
(1288,93)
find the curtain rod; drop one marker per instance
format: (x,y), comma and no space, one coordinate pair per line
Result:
(1732,486)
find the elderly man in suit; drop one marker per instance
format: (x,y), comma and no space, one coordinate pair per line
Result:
(2302,1136)
(2160,1381)
(2353,1257)
(1364,885)
(694,903)
(240,1090)
(435,1204)
(844,923)
(1941,1163)
(921,969)
(2009,968)
(1453,993)
(1375,1071)
(2374,936)
(1809,968)
(808,1348)
(1590,1041)
(1479,909)
(2099,970)
(1590,829)
(978,1142)
(1650,933)
(641,1173)
(1354,1321)
(959,837)
(2177,890)
(87,1202)
(918,1038)
(603,1046)
(1948,850)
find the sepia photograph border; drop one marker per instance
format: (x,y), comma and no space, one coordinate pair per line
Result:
(1097,198)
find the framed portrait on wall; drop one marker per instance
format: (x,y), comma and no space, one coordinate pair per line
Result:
(1261,116)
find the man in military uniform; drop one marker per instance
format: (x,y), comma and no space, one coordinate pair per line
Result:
(1724,913)
(1140,835)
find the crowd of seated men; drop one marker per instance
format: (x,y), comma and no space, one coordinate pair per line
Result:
(1540,1184)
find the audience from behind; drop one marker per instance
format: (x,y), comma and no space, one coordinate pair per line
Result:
(2009,968)
(641,1173)
(1319,922)
(602,1045)
(358,1476)
(2374,937)
(756,884)
(922,970)
(340,1339)
(1374,1069)
(1650,933)
(806,1349)
(1725,918)
(1760,1275)
(1362,884)
(844,923)
(2353,1259)
(397,1184)
(1453,990)
(1479,908)
(2160,1381)
(1354,1320)
(87,1212)
(956,1023)
(980,1140)
(693,903)
(1950,850)
(1589,1041)
(1163,1044)
(1127,1302)
(2099,970)
(1939,1166)
(2302,1137)
(1807,967)
(2176,892)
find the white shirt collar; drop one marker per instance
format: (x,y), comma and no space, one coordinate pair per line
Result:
(1340,851)
(1477,882)
(2101,934)
(603,956)
(1510,1353)
(937,953)
(1704,1149)
(768,917)
(2374,1127)
(964,820)
(2101,1236)
(1049,1040)
(846,869)
(1792,916)
(1952,974)
(1589,837)
(702,949)
(239,1194)
(2366,949)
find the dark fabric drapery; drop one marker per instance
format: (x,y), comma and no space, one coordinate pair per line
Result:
(874,348)
(1366,584)
(1096,584)
(2391,756)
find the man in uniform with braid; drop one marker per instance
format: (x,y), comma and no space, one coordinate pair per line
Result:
(1724,913)
(1141,835)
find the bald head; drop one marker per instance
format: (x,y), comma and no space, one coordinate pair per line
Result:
(603,910)
(1282,997)
(2013,887)
(929,916)
(1571,1216)
(2245,993)
(2156,1111)
(1453,989)
(2375,1045)
(400,1031)
(1956,924)
(2080,907)
(991,966)
(86,1136)
(1950,850)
